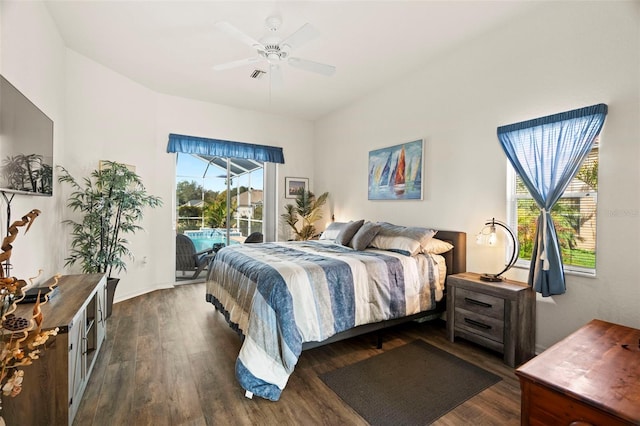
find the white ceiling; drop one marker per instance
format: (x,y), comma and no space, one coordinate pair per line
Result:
(171,46)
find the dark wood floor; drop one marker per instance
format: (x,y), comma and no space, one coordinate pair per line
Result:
(169,360)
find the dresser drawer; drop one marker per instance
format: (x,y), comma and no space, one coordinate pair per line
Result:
(480,303)
(481,325)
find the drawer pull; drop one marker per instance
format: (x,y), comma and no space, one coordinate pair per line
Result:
(477,302)
(477,324)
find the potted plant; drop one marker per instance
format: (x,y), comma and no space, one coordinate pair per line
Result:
(308,210)
(111,201)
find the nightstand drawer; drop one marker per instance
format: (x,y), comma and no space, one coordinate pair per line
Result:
(480,303)
(481,325)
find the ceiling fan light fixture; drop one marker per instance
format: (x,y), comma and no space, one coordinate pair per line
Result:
(274,50)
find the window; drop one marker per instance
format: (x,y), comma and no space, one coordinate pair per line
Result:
(574,217)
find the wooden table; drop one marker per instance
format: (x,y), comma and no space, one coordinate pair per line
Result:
(590,377)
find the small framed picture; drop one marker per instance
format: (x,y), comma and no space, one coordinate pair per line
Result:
(294,185)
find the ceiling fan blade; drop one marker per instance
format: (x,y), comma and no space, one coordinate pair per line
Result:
(235,64)
(275,74)
(312,66)
(304,34)
(235,32)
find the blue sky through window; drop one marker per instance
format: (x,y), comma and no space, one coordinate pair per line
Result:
(190,168)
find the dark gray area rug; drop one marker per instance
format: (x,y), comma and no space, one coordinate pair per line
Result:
(414,384)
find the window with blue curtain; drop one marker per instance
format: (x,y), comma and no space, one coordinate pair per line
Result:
(547,153)
(237,161)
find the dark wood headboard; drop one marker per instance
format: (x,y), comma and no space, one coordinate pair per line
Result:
(457,258)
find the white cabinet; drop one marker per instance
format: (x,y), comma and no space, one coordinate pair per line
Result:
(86,334)
(76,376)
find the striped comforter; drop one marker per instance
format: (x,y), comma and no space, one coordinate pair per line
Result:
(280,295)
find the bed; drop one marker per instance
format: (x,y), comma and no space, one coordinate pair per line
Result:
(286,297)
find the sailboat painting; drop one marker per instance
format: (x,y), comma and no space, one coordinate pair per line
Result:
(395,173)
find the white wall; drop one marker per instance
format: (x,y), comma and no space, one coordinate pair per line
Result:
(101,115)
(110,117)
(561,56)
(32,59)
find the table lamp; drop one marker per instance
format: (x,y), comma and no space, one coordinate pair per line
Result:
(488,234)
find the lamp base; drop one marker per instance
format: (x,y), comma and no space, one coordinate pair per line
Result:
(491,278)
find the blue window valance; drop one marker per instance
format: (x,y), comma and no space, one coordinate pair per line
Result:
(222,148)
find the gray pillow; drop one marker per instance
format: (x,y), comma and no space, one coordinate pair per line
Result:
(348,231)
(364,236)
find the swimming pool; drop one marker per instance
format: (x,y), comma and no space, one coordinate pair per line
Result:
(205,238)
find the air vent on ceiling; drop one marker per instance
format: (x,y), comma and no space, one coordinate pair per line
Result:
(257,73)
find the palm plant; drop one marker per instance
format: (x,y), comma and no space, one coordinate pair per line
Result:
(112,200)
(306,210)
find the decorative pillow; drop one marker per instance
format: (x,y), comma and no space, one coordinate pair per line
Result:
(332,230)
(436,246)
(348,231)
(364,236)
(402,239)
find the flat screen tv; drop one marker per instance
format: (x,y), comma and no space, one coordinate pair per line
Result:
(26,144)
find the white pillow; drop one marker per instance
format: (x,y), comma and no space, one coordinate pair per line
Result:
(332,231)
(402,239)
(436,246)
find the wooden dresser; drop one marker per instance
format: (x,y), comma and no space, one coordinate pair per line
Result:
(54,384)
(589,378)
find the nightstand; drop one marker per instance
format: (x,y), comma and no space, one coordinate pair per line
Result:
(498,315)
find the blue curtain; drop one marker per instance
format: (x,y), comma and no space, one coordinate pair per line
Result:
(222,148)
(547,153)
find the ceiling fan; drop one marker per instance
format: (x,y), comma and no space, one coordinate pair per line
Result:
(275,50)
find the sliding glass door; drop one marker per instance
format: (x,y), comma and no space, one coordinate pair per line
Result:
(219,201)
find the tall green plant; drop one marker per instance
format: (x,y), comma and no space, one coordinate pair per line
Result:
(306,210)
(111,200)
